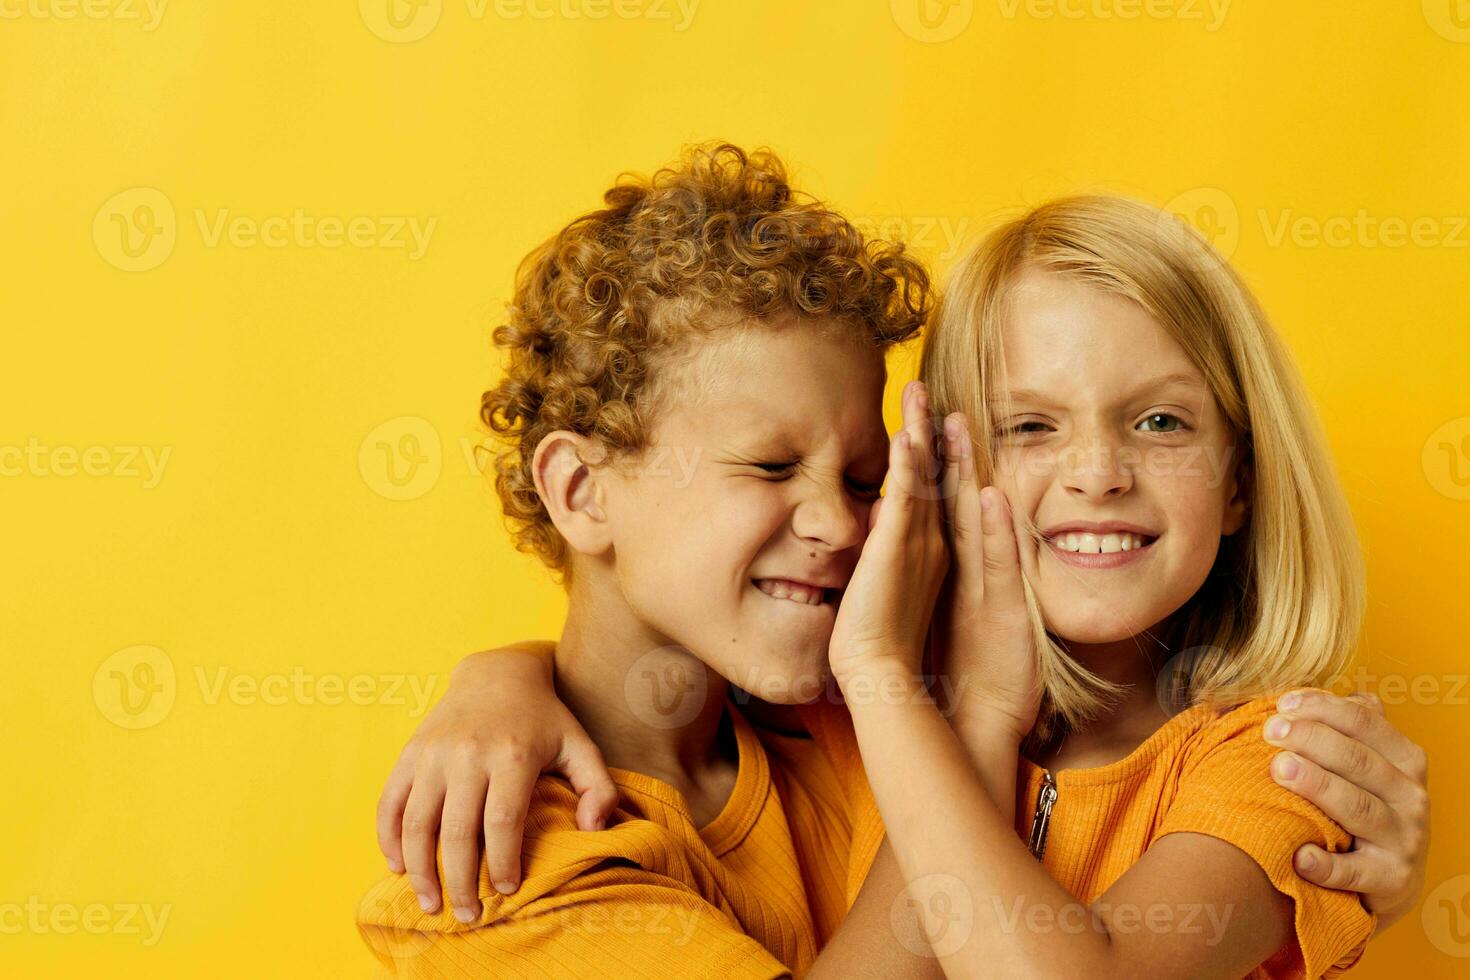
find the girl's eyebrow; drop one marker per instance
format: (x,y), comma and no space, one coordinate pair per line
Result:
(1176,380)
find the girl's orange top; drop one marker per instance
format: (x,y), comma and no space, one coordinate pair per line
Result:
(753,894)
(1202,772)
(758,891)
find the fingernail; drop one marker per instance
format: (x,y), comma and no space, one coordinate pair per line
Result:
(1277,728)
(1286,767)
(952,429)
(464,915)
(426,903)
(395,866)
(1290,702)
(985,502)
(505,888)
(1305,860)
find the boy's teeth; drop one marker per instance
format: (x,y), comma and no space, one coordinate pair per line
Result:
(1097,544)
(782,589)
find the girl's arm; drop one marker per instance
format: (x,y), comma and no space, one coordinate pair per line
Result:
(947,817)
(471,766)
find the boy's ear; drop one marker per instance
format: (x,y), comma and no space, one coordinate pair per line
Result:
(1238,505)
(571,491)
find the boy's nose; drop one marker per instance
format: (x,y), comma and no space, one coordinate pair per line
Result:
(831,517)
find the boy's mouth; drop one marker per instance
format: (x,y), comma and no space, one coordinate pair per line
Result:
(806,593)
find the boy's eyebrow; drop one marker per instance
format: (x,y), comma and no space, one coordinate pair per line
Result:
(1177,380)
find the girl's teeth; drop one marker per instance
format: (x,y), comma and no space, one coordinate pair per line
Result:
(1097,544)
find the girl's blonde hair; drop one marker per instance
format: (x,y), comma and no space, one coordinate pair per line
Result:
(1283,603)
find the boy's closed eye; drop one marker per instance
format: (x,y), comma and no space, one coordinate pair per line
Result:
(860,487)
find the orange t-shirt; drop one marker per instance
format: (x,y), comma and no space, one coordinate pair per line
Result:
(1202,772)
(755,893)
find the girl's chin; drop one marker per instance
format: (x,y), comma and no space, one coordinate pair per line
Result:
(1106,627)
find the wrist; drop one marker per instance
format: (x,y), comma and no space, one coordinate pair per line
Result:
(989,727)
(488,668)
(880,680)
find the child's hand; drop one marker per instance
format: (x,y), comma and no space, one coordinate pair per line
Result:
(1370,778)
(885,611)
(982,635)
(472,764)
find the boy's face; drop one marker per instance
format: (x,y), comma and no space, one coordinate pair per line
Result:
(734,531)
(1115,447)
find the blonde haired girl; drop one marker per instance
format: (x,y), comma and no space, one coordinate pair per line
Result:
(1121,363)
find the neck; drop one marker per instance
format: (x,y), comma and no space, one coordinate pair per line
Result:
(650,705)
(1133,664)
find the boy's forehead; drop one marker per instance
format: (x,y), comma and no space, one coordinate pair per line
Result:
(771,377)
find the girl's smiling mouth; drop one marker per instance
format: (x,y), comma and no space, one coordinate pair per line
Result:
(1109,544)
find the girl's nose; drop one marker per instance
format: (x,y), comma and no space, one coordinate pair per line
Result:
(1094,469)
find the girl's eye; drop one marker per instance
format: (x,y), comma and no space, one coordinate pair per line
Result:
(776,469)
(1023,428)
(1162,422)
(864,489)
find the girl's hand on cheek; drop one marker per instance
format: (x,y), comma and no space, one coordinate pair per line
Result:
(983,646)
(885,611)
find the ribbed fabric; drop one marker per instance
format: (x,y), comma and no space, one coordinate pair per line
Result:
(753,894)
(1203,773)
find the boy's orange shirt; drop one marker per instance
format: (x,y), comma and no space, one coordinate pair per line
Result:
(755,893)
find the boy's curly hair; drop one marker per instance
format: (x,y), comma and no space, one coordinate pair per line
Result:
(605,301)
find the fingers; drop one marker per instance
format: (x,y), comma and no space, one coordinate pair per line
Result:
(1368,870)
(583,766)
(505,822)
(390,811)
(1359,716)
(420,830)
(1357,811)
(459,841)
(1329,748)
(959,491)
(1004,597)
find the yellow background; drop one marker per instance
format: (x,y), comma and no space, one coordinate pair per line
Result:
(271,545)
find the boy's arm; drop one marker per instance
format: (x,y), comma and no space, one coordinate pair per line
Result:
(471,766)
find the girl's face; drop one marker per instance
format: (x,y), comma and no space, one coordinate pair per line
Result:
(1113,445)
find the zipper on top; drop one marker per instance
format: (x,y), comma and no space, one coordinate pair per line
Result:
(1046,798)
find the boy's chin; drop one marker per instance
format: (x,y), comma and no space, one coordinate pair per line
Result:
(785,676)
